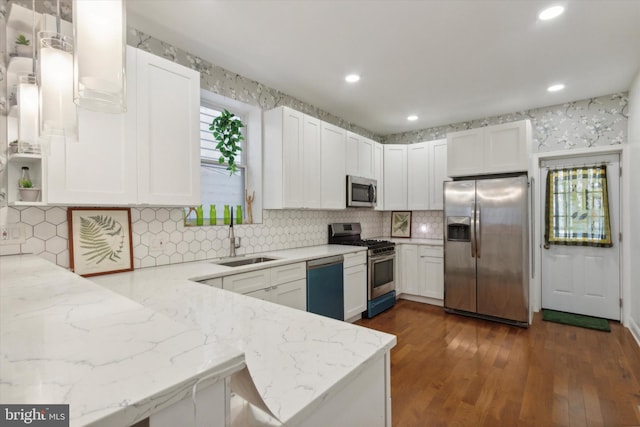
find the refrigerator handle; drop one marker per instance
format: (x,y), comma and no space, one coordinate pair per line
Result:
(473,230)
(478,231)
(533,227)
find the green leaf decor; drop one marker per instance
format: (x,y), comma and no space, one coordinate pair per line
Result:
(102,237)
(226,129)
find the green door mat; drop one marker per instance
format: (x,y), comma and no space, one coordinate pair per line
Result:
(576,320)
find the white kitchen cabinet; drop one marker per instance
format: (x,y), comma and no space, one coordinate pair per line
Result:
(332,167)
(285,285)
(418,174)
(437,173)
(359,156)
(421,273)
(378,174)
(408,269)
(431,272)
(148,155)
(292,294)
(489,150)
(99,168)
(168,132)
(355,285)
(291,160)
(395,177)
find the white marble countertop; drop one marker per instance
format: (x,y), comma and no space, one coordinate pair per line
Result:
(296,359)
(66,340)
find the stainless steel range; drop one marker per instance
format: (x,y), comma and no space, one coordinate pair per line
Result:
(381,262)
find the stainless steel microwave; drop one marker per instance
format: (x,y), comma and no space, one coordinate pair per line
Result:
(361,192)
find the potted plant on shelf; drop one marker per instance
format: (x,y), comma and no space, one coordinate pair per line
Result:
(28,193)
(23,46)
(226,129)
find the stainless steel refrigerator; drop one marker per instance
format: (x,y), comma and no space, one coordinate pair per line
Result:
(486,248)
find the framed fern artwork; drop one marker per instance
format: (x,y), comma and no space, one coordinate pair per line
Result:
(401,224)
(100,240)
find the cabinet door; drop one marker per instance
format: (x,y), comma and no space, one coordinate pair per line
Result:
(351,154)
(310,173)
(431,271)
(332,167)
(247,282)
(418,176)
(168,132)
(465,152)
(99,168)
(355,290)
(378,174)
(365,158)
(263,294)
(506,148)
(292,294)
(395,177)
(437,173)
(408,274)
(292,158)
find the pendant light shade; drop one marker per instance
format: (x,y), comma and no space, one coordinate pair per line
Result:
(57,110)
(99,56)
(27,113)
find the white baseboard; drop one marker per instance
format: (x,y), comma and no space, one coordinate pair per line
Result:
(635,330)
(424,300)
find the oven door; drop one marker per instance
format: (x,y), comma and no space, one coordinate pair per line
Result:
(381,275)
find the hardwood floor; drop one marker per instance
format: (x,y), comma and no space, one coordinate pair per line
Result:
(450,370)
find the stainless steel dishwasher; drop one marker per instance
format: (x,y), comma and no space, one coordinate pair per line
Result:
(325,287)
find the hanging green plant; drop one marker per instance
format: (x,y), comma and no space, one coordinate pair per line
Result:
(226,129)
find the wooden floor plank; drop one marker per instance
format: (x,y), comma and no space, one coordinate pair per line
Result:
(450,370)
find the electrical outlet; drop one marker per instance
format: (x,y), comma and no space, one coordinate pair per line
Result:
(157,245)
(12,234)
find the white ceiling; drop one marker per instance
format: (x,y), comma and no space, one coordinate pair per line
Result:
(444,60)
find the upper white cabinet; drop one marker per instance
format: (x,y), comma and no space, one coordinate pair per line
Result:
(488,150)
(332,167)
(148,155)
(378,174)
(168,132)
(304,162)
(100,168)
(418,176)
(395,177)
(359,156)
(291,159)
(437,173)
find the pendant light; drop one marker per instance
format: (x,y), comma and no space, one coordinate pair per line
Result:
(99,29)
(57,110)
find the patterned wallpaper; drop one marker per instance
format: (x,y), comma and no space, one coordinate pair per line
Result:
(579,124)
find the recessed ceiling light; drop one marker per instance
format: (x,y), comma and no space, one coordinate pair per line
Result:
(412,118)
(551,12)
(352,78)
(555,88)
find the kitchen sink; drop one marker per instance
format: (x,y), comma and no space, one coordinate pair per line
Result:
(244,261)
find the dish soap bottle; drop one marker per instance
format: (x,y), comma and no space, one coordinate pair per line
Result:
(227,215)
(238,214)
(199,216)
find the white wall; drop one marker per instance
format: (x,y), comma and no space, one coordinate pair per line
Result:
(634,208)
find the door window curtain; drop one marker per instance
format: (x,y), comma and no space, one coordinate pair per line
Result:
(577,207)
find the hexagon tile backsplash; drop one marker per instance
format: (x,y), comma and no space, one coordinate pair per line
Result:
(46,232)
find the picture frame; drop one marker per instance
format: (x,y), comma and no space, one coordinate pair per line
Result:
(100,240)
(401,224)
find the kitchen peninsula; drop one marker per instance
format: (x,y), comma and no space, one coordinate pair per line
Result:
(305,367)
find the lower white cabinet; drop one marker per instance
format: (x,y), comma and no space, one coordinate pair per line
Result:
(355,285)
(421,272)
(431,272)
(285,285)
